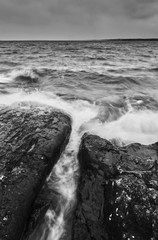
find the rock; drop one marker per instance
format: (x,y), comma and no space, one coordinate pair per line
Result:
(89,220)
(133,196)
(118,191)
(32,138)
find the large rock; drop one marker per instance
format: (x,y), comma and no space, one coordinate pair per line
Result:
(118,191)
(32,138)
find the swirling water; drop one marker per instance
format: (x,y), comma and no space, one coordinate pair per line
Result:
(109,88)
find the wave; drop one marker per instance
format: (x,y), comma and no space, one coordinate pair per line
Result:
(4,70)
(96,77)
(94,58)
(110,109)
(27,79)
(126,120)
(66,78)
(153,69)
(26,75)
(140,127)
(118,80)
(10,63)
(143,102)
(72,97)
(3,91)
(145,56)
(130,80)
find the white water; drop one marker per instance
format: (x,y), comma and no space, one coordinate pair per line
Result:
(66,170)
(11,75)
(141,127)
(130,126)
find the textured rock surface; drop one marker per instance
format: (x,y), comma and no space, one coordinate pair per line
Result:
(31,140)
(118,191)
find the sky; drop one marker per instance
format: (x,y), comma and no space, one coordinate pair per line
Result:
(78,19)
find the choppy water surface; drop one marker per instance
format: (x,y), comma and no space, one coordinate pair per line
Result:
(109,88)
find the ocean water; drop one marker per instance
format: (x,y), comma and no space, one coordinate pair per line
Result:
(109,88)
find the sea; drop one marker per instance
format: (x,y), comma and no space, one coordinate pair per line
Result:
(109,88)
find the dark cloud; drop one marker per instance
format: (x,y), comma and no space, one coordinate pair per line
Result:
(79,18)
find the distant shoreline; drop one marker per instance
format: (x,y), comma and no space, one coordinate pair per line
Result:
(89,40)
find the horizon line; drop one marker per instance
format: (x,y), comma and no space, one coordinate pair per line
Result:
(78,40)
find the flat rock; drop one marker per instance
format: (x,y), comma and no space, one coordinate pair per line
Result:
(118,191)
(32,138)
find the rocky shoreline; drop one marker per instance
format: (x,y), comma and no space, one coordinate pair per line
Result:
(117,196)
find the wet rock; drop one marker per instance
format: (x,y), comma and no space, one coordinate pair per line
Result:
(133,195)
(89,222)
(32,138)
(118,191)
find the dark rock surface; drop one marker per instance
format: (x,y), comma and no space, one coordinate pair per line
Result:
(32,138)
(118,191)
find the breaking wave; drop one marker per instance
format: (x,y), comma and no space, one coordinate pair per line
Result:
(27,75)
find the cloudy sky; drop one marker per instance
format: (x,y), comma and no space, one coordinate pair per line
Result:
(78,19)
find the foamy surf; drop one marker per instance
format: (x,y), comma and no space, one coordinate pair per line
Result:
(12,75)
(136,126)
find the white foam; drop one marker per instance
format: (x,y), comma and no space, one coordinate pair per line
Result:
(136,126)
(10,76)
(4,78)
